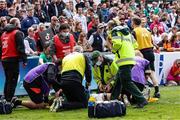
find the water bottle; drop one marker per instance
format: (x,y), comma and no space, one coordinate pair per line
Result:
(91,105)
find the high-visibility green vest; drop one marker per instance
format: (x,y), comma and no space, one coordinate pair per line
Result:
(110,71)
(123,47)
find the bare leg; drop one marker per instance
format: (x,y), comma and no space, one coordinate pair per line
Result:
(154,79)
(155,83)
(32,105)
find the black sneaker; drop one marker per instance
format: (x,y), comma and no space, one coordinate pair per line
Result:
(141,105)
(157,95)
(15,102)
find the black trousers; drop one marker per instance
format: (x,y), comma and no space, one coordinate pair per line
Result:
(75,94)
(125,82)
(11,70)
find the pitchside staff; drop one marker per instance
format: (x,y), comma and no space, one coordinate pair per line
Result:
(12,46)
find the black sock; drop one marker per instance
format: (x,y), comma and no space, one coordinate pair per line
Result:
(156,89)
(18,102)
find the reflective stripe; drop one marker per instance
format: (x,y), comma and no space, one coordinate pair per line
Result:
(124,59)
(117,37)
(125,39)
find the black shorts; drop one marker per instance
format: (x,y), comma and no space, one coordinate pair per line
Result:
(34,92)
(149,55)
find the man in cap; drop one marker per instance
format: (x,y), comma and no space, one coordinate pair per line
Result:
(104,71)
(98,39)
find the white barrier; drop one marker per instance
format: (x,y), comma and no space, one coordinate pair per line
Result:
(163,63)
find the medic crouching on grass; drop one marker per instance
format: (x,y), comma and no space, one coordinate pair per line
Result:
(38,83)
(75,67)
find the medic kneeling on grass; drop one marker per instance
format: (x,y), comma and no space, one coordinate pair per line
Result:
(37,83)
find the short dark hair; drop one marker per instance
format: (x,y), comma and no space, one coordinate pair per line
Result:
(64,26)
(136,20)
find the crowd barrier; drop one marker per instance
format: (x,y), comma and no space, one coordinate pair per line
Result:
(163,63)
(32,62)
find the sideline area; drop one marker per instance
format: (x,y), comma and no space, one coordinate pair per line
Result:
(167,108)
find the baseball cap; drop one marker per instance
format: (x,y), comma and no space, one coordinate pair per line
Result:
(94,56)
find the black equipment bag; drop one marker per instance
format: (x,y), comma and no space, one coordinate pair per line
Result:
(112,108)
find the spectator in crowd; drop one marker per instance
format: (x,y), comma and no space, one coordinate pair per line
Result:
(67,11)
(92,26)
(62,44)
(104,12)
(72,25)
(82,41)
(53,9)
(39,13)
(12,47)
(90,16)
(156,37)
(74,67)
(144,40)
(22,14)
(54,25)
(37,83)
(3,10)
(165,44)
(45,55)
(113,13)
(45,7)
(11,13)
(29,20)
(157,23)
(173,77)
(79,4)
(165,22)
(81,18)
(78,29)
(104,71)
(62,20)
(61,6)
(97,11)
(37,38)
(174,42)
(144,24)
(3,23)
(178,38)
(172,32)
(71,4)
(30,43)
(98,39)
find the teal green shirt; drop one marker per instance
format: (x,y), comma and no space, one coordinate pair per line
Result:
(45,58)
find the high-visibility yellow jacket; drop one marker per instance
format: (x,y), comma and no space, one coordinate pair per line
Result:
(123,47)
(110,70)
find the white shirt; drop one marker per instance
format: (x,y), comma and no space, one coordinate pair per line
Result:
(83,21)
(68,13)
(28,50)
(156,39)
